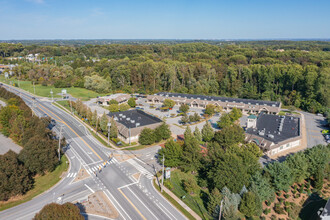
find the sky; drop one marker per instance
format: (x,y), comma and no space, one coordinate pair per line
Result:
(164,19)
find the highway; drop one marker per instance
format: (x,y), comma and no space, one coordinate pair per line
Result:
(133,198)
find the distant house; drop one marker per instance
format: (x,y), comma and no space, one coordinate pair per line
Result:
(273,133)
(227,104)
(120,98)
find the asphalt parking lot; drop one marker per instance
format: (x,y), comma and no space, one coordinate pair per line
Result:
(314,126)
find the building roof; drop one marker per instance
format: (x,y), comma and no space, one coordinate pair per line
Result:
(222,99)
(276,128)
(134,118)
(252,117)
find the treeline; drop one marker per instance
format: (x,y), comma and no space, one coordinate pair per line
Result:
(297,77)
(39,153)
(229,170)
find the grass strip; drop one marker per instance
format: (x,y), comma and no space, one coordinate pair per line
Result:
(174,202)
(42,184)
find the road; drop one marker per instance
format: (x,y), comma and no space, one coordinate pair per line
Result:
(133,199)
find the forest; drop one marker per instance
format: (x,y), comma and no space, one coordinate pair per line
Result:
(295,73)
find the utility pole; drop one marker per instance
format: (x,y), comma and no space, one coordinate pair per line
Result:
(163,174)
(59,144)
(220,209)
(51,93)
(34,88)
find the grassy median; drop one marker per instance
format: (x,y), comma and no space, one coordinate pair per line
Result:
(42,184)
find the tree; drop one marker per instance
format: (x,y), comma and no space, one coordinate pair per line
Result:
(172,153)
(187,134)
(169,103)
(147,136)
(97,83)
(250,204)
(113,128)
(214,200)
(207,132)
(104,123)
(198,134)
(113,101)
(162,132)
(210,109)
(229,136)
(124,107)
(318,156)
(15,178)
(280,175)
(184,108)
(225,121)
(230,203)
(318,179)
(184,119)
(196,117)
(131,102)
(114,108)
(298,164)
(39,154)
(191,152)
(94,118)
(56,211)
(190,184)
(261,186)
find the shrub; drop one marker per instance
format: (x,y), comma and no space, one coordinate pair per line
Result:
(278,209)
(273,217)
(286,196)
(168,184)
(281,200)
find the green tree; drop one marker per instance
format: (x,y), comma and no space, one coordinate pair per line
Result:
(230,204)
(147,136)
(190,184)
(280,175)
(184,119)
(94,118)
(209,109)
(113,101)
(162,132)
(250,204)
(261,186)
(114,108)
(124,107)
(61,212)
(113,129)
(39,154)
(104,123)
(172,153)
(198,134)
(225,121)
(191,153)
(318,156)
(187,134)
(229,136)
(214,200)
(184,108)
(131,102)
(318,179)
(169,103)
(207,132)
(298,164)
(15,178)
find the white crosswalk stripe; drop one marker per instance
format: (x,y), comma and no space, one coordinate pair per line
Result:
(141,169)
(89,171)
(71,175)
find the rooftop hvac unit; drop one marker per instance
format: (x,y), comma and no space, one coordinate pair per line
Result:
(128,119)
(120,114)
(271,136)
(234,101)
(124,116)
(261,133)
(116,119)
(198,98)
(249,103)
(137,124)
(179,96)
(257,103)
(212,99)
(132,121)
(273,105)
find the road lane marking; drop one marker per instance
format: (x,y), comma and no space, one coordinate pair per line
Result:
(132,204)
(117,204)
(142,203)
(166,210)
(89,188)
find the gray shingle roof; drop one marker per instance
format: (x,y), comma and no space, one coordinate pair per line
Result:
(222,99)
(276,128)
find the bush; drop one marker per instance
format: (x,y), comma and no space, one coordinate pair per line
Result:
(124,107)
(168,184)
(268,203)
(278,209)
(286,196)
(273,217)
(131,102)
(267,211)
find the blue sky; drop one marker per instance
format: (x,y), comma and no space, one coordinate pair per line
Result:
(164,19)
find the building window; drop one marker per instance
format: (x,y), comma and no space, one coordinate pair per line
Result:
(287,145)
(281,148)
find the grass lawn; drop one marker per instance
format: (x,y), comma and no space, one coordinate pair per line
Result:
(42,183)
(44,91)
(195,202)
(174,202)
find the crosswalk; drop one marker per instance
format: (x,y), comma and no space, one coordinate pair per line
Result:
(140,168)
(100,165)
(71,175)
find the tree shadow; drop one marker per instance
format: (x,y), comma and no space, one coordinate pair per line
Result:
(82,210)
(311,207)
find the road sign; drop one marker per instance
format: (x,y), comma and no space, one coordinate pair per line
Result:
(167,173)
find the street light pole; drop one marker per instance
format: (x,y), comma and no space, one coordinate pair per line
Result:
(109,125)
(163,174)
(59,144)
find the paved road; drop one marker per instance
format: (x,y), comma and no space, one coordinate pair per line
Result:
(314,126)
(134,199)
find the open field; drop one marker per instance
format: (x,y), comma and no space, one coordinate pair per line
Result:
(44,91)
(42,183)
